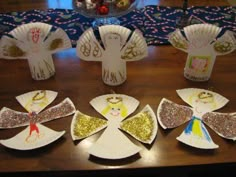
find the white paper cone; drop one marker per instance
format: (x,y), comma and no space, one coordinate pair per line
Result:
(199,65)
(113,71)
(41,66)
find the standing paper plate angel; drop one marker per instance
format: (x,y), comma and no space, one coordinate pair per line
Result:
(113,143)
(202,42)
(35,135)
(35,42)
(118,45)
(202,102)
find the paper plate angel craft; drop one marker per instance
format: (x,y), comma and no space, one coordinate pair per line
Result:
(202,42)
(35,42)
(113,143)
(35,135)
(202,102)
(117,46)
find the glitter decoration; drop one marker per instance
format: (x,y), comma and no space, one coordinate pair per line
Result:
(85,125)
(202,102)
(115,108)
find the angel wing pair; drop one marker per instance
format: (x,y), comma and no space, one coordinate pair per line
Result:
(203,102)
(113,144)
(35,42)
(118,45)
(35,135)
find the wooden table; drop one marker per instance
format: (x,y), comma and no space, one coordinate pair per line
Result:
(149,80)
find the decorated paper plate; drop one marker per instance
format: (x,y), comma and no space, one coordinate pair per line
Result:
(34,136)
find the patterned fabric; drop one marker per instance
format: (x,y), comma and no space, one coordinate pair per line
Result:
(156,22)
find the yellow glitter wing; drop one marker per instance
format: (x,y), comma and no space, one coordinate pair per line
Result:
(142,126)
(83,125)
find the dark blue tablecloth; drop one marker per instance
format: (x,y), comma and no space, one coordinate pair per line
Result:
(156,22)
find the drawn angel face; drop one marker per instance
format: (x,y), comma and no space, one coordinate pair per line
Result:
(35,35)
(115,108)
(112,38)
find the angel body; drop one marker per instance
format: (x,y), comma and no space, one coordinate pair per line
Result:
(113,144)
(202,102)
(114,50)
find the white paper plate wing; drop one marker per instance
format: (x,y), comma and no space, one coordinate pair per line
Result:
(225,44)
(194,95)
(83,125)
(113,144)
(115,105)
(88,48)
(36,101)
(224,124)
(32,33)
(11,119)
(196,135)
(10,48)
(142,126)
(114,36)
(177,39)
(201,35)
(136,47)
(26,141)
(171,115)
(57,41)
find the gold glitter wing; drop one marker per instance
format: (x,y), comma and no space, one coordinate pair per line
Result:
(136,47)
(10,48)
(171,115)
(224,124)
(225,44)
(57,40)
(83,125)
(88,48)
(142,126)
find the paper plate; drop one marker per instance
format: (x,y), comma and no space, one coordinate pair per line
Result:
(201,35)
(177,39)
(116,106)
(83,125)
(114,36)
(171,115)
(142,126)
(209,100)
(136,47)
(36,101)
(25,141)
(224,124)
(196,135)
(34,33)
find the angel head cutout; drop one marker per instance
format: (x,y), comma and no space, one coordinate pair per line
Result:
(203,43)
(202,102)
(115,108)
(35,42)
(35,135)
(118,45)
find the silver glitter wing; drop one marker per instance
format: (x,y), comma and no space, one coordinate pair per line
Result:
(11,119)
(224,124)
(171,115)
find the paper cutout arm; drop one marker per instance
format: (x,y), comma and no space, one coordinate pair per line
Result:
(136,48)
(178,40)
(88,48)
(142,126)
(171,115)
(83,125)
(224,124)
